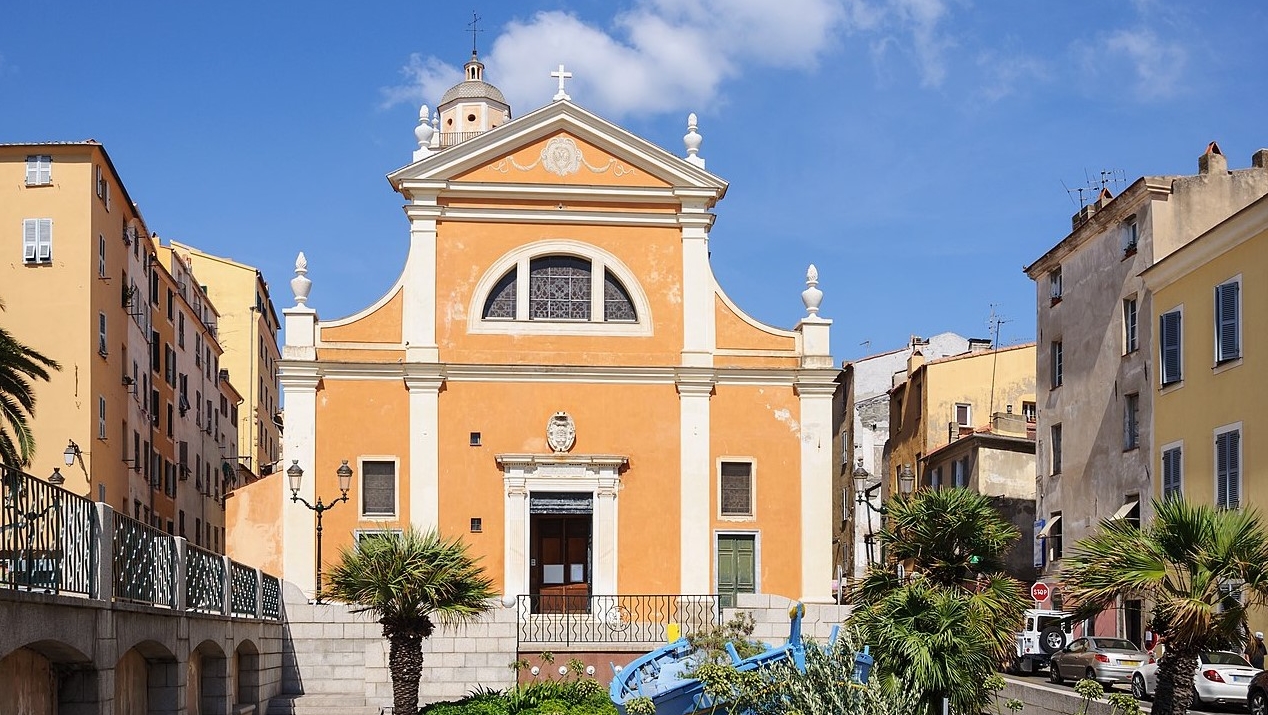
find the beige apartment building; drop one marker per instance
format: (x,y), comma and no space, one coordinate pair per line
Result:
(1210,298)
(248,326)
(88,286)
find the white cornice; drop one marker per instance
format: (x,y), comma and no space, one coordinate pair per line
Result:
(534,460)
(559,192)
(572,374)
(560,216)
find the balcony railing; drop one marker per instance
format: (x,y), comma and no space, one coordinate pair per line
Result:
(579,619)
(448,139)
(55,541)
(47,536)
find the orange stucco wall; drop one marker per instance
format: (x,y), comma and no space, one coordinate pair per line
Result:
(734,333)
(612,171)
(381,326)
(253,517)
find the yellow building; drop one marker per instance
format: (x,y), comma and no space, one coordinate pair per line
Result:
(968,421)
(248,327)
(87,286)
(558,377)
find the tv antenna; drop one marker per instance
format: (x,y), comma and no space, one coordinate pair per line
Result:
(994,322)
(1094,184)
(474,19)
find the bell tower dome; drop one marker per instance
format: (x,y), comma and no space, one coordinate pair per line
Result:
(472,106)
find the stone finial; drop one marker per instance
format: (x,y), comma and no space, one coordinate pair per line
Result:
(435,126)
(424,130)
(692,141)
(300,284)
(812,296)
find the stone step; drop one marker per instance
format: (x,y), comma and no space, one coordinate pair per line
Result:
(321,704)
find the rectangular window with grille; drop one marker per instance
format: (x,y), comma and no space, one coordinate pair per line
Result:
(1056,449)
(1228,468)
(736,489)
(1172,472)
(1228,333)
(1169,347)
(378,488)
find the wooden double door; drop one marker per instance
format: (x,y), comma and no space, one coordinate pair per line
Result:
(737,567)
(560,562)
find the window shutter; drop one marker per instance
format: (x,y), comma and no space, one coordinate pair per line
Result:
(1170,473)
(30,239)
(1170,330)
(378,488)
(32,170)
(45,239)
(1227,470)
(1226,321)
(737,489)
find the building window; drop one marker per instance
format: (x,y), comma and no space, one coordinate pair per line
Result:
(37,240)
(1054,284)
(1131,421)
(559,288)
(477,525)
(1228,468)
(1228,343)
(169,365)
(39,170)
(1131,236)
(1131,333)
(171,304)
(1056,449)
(1172,472)
(101,417)
(378,488)
(1169,330)
(1051,533)
(963,414)
(736,489)
(360,536)
(103,348)
(180,330)
(1029,411)
(101,256)
(1057,360)
(960,473)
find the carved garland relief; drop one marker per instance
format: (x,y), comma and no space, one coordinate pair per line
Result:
(562,156)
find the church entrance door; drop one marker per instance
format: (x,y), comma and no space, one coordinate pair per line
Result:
(559,571)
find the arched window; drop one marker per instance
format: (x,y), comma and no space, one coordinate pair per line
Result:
(560,288)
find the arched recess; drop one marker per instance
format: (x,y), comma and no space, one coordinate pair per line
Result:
(48,677)
(207,688)
(246,673)
(146,680)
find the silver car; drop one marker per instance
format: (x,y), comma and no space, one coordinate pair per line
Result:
(1105,660)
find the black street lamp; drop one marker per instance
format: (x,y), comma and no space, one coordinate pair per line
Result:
(295,474)
(863,493)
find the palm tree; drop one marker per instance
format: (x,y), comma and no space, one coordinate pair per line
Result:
(1192,562)
(19,366)
(412,582)
(950,618)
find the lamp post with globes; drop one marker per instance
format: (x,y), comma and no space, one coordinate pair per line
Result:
(863,496)
(295,474)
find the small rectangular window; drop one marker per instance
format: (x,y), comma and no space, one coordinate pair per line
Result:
(1131,333)
(1169,330)
(37,240)
(101,417)
(736,489)
(1056,449)
(1057,366)
(1227,323)
(171,304)
(1131,236)
(963,414)
(1029,411)
(475,439)
(378,488)
(1172,472)
(1228,472)
(1131,421)
(1054,536)
(101,256)
(39,170)
(103,348)
(1054,284)
(477,525)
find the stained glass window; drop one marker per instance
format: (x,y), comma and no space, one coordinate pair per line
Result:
(617,305)
(559,288)
(501,302)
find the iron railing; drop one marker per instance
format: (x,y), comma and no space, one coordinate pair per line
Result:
(270,597)
(579,619)
(47,536)
(243,598)
(204,580)
(144,563)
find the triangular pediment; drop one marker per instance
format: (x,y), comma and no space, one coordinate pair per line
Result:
(560,143)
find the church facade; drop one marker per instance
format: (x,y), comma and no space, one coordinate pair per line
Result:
(558,378)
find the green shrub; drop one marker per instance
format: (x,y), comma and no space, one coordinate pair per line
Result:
(738,631)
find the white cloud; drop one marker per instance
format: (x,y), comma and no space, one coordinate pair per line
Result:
(920,19)
(1005,73)
(1157,63)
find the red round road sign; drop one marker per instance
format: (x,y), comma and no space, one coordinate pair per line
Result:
(1039,591)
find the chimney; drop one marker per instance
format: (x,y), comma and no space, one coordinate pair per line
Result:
(1259,159)
(979,345)
(1082,215)
(1213,161)
(914,361)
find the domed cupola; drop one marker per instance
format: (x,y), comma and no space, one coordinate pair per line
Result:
(472,106)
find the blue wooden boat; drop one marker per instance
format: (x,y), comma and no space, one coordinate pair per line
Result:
(664,674)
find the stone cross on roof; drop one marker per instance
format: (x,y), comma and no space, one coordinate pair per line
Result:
(562,75)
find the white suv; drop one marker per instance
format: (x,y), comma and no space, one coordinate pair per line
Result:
(1043,633)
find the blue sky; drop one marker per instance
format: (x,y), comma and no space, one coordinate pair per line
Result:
(917,151)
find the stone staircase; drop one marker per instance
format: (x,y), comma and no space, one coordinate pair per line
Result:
(320,704)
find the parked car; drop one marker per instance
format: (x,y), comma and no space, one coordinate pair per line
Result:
(1043,633)
(1220,677)
(1105,660)
(1257,694)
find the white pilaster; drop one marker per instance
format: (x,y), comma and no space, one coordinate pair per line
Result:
(418,312)
(515,556)
(699,338)
(605,535)
(814,392)
(423,383)
(695,479)
(299,391)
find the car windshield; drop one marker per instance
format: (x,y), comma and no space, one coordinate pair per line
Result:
(1115,644)
(1223,659)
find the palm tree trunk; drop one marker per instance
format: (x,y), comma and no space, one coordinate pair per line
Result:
(405,662)
(1175,682)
